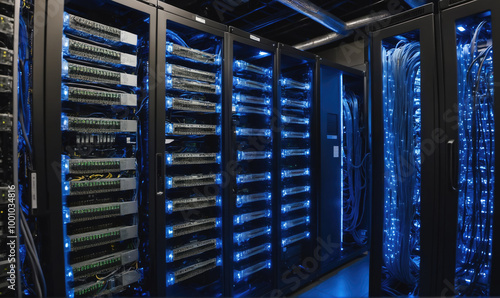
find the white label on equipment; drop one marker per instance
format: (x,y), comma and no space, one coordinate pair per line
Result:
(128,79)
(128,37)
(127,59)
(128,99)
(335,151)
(128,125)
(168,141)
(254,37)
(34,200)
(200,20)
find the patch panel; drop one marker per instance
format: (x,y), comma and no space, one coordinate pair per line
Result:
(245,254)
(93,96)
(295,206)
(190,73)
(80,72)
(5,84)
(106,263)
(192,249)
(192,180)
(295,173)
(285,225)
(88,52)
(183,104)
(191,271)
(294,135)
(100,165)
(192,158)
(6,56)
(97,125)
(192,86)
(6,25)
(246,236)
(247,178)
(4,194)
(98,211)
(97,238)
(102,287)
(245,98)
(242,274)
(295,190)
(192,203)
(250,84)
(251,110)
(240,65)
(100,32)
(192,227)
(246,217)
(253,132)
(98,186)
(250,155)
(251,198)
(295,238)
(6,122)
(192,54)
(191,129)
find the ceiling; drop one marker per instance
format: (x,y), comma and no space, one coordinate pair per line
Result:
(275,21)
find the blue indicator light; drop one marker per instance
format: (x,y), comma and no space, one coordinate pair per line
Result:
(66,215)
(218,179)
(66,188)
(168,102)
(169,232)
(262,53)
(64,122)
(461,28)
(69,274)
(67,244)
(64,68)
(218,201)
(169,128)
(218,222)
(170,256)
(169,206)
(169,182)
(168,159)
(64,164)
(218,158)
(170,279)
(64,93)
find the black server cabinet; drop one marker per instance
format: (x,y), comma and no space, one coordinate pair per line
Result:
(250,237)
(96,94)
(190,198)
(10,77)
(336,230)
(469,117)
(294,209)
(404,155)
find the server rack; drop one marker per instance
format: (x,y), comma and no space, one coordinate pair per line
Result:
(96,85)
(404,83)
(295,215)
(333,240)
(190,196)
(9,187)
(469,115)
(249,85)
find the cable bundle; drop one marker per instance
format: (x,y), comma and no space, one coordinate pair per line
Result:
(354,168)
(402,142)
(476,164)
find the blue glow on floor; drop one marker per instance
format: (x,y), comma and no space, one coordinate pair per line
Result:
(348,282)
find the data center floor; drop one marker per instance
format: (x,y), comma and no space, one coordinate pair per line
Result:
(350,280)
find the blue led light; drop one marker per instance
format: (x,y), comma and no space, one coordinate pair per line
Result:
(169,128)
(169,182)
(66,188)
(296,135)
(218,158)
(170,279)
(262,53)
(67,244)
(64,68)
(170,256)
(168,159)
(64,122)
(64,164)
(64,92)
(169,232)
(169,207)
(461,28)
(168,102)
(66,215)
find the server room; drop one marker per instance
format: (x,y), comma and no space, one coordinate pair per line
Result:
(249,148)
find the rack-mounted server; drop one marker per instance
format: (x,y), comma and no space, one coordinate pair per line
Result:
(294,175)
(249,87)
(405,198)
(9,188)
(469,36)
(96,94)
(189,215)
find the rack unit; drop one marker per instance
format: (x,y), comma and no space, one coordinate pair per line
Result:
(469,37)
(95,90)
(402,251)
(249,86)
(9,193)
(294,174)
(190,200)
